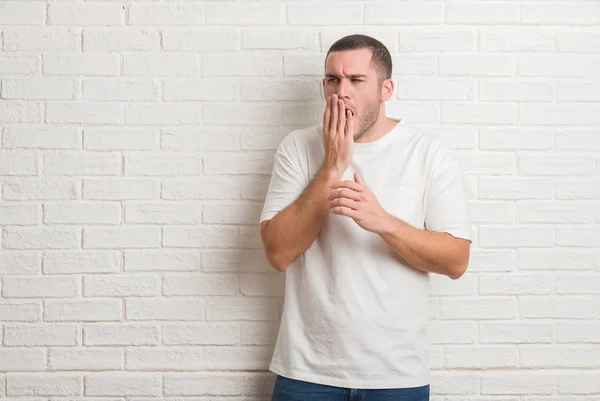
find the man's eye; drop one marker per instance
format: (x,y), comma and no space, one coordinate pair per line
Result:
(357,80)
(332,80)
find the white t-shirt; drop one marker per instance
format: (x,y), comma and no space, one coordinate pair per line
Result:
(354,315)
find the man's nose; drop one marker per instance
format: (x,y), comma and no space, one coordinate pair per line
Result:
(343,89)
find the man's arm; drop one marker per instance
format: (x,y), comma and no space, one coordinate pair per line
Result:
(292,231)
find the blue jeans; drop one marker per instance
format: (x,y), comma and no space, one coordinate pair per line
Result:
(296,390)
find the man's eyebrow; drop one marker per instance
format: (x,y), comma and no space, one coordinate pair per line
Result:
(354,76)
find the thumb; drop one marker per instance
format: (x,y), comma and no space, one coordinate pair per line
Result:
(358,179)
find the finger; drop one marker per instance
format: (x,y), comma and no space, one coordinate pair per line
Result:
(341,128)
(349,124)
(349,203)
(327,114)
(358,179)
(349,184)
(334,114)
(344,211)
(344,193)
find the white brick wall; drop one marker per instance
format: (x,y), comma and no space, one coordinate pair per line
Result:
(136,143)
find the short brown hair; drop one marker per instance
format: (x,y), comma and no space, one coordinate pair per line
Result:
(380,55)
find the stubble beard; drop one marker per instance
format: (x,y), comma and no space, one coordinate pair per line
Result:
(370,119)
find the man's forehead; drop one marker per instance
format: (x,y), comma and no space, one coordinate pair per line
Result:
(350,62)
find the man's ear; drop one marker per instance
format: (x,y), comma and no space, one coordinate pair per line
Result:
(387,89)
(323,88)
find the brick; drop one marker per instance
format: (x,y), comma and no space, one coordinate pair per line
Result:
(279,89)
(20,112)
(506,383)
(160,64)
(477,357)
(556,212)
(244,14)
(255,188)
(454,383)
(124,89)
(81,262)
(15,162)
(167,164)
(120,39)
(578,235)
(552,356)
(83,311)
(515,188)
(203,90)
(250,237)
(555,259)
(121,237)
(238,163)
(258,333)
(162,260)
(86,14)
(122,384)
(578,91)
(259,383)
(19,64)
(42,38)
(563,307)
(242,64)
(84,163)
(557,65)
(561,13)
(166,14)
(199,139)
(39,189)
(261,138)
(201,40)
(200,334)
(487,163)
(109,138)
(85,359)
(201,236)
(312,64)
(578,283)
(88,63)
(576,332)
(122,285)
(404,13)
(238,358)
(213,187)
(558,114)
(120,188)
(189,358)
(482,13)
(492,260)
(479,113)
(84,112)
(436,39)
(577,188)
(518,39)
(39,88)
(33,335)
(479,308)
(269,285)
(42,138)
(44,384)
(504,91)
(247,213)
(452,332)
(235,261)
(442,285)
(430,88)
(525,332)
(205,383)
(279,38)
(580,41)
(519,236)
(38,287)
(20,312)
(493,212)
(515,139)
(200,284)
(484,65)
(120,334)
(515,284)
(142,113)
(304,114)
(578,383)
(22,13)
(19,263)
(163,213)
(41,238)
(246,309)
(325,14)
(164,309)
(22,359)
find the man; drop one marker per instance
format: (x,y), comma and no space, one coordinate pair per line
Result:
(358,213)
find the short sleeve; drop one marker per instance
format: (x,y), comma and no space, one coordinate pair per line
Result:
(446,207)
(288,179)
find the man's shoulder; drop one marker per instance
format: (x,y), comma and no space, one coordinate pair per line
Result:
(301,138)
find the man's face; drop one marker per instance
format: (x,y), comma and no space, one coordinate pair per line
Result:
(351,75)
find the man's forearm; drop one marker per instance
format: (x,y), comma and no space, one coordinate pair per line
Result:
(292,231)
(428,251)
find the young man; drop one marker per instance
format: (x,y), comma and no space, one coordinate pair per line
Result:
(359,211)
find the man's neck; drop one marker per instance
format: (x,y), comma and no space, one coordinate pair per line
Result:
(382,127)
